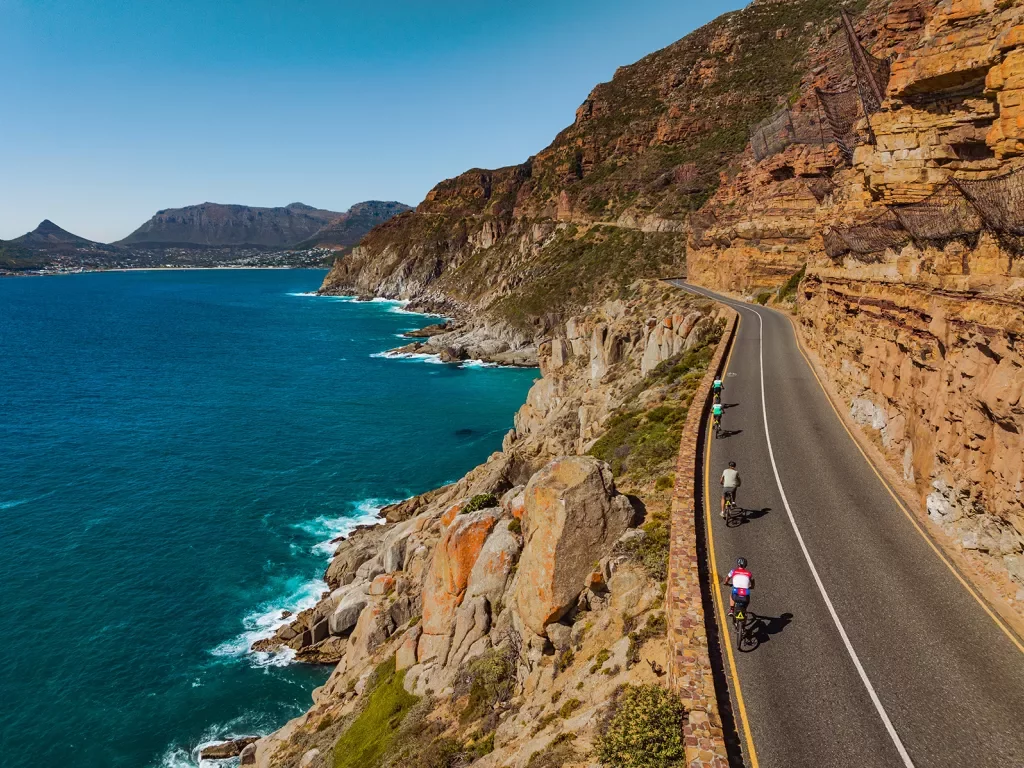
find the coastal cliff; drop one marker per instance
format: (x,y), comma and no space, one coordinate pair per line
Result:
(502,615)
(907,255)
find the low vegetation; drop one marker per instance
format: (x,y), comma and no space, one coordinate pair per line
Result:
(643,729)
(480,501)
(368,738)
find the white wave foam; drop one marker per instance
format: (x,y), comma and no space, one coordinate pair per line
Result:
(11,504)
(268,616)
(478,364)
(188,757)
(265,620)
(421,356)
(330,528)
(401,310)
(304,293)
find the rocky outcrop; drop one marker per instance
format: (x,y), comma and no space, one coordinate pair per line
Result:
(573,518)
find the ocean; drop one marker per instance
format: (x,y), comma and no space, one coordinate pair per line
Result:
(176,450)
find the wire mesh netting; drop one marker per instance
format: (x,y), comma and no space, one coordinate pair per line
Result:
(875,236)
(835,246)
(943,216)
(700,223)
(819,186)
(840,112)
(1000,201)
(785,127)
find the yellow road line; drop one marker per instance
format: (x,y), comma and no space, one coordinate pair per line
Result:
(722,618)
(899,502)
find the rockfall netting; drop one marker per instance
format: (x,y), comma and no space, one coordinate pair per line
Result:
(958,210)
(819,186)
(1000,201)
(785,127)
(866,241)
(944,216)
(840,112)
(836,112)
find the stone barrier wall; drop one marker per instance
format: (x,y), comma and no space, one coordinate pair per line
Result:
(690,671)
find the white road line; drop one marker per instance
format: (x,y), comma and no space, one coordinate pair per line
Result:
(814,571)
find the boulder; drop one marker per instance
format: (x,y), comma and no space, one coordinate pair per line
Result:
(573,518)
(346,614)
(351,553)
(309,758)
(371,631)
(382,584)
(560,635)
(232,748)
(405,657)
(248,755)
(454,557)
(493,568)
(472,622)
(371,569)
(513,502)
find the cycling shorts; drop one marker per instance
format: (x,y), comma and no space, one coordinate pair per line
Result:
(729,493)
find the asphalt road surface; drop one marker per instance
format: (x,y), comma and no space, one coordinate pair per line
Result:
(867,649)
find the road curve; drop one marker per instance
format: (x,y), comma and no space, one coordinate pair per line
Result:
(871,652)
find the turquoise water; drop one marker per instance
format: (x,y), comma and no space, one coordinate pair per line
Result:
(175,448)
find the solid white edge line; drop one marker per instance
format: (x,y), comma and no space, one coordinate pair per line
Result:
(814,571)
(810,563)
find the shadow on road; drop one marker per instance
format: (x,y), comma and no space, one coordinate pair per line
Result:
(729,433)
(730,405)
(743,516)
(761,628)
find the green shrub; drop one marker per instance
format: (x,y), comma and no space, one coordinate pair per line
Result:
(788,290)
(515,526)
(492,677)
(484,746)
(556,754)
(367,739)
(565,660)
(480,501)
(651,551)
(567,709)
(665,482)
(656,626)
(645,729)
(762,297)
(602,656)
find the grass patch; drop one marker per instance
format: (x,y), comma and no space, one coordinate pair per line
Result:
(367,739)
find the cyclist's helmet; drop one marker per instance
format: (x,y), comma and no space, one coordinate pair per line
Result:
(741,562)
(732,465)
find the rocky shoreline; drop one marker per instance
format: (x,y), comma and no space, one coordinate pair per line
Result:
(512,608)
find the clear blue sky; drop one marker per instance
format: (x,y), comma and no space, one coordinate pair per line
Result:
(112,109)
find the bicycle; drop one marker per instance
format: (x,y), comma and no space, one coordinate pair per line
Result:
(739,621)
(716,426)
(733,514)
(718,398)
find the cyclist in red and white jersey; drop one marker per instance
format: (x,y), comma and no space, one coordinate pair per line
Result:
(742,581)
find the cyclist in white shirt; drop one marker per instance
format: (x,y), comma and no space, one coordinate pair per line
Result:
(730,481)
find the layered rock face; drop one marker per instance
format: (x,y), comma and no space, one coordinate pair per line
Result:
(920,336)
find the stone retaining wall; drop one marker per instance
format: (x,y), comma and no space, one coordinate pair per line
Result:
(690,673)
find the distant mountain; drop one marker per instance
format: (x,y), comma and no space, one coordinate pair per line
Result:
(350,227)
(48,236)
(214,224)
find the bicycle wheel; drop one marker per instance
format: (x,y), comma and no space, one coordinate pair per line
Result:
(739,623)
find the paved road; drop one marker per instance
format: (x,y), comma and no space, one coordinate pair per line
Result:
(949,681)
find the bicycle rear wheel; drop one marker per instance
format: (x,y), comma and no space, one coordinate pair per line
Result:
(739,623)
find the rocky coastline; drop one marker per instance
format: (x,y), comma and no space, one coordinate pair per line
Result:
(515,609)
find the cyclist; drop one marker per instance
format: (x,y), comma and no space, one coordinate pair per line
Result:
(716,416)
(716,389)
(730,481)
(742,582)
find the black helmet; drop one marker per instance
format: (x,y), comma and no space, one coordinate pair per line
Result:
(741,562)
(732,465)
